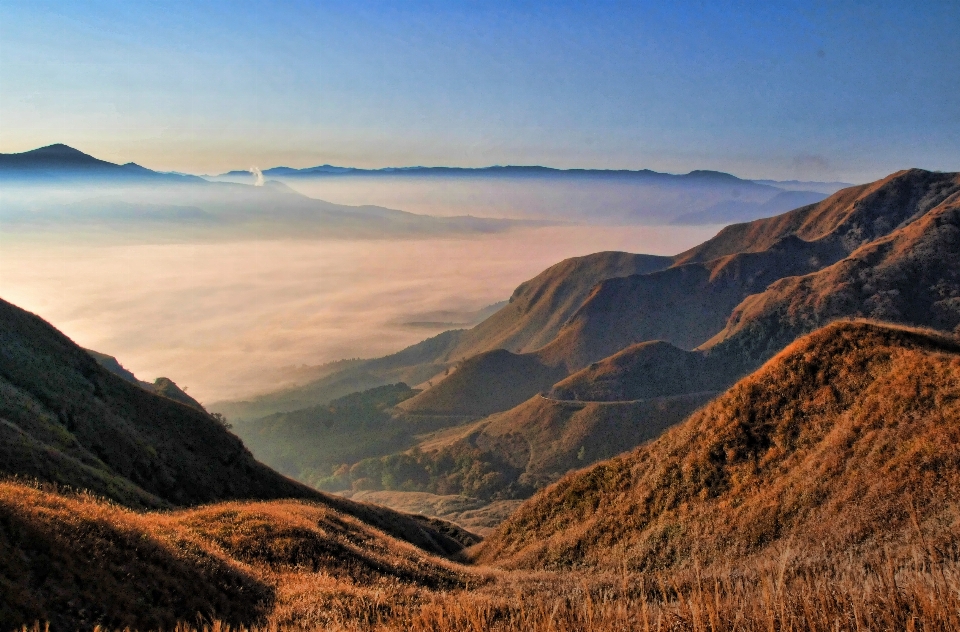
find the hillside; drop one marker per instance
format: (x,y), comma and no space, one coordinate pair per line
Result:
(691,302)
(311,443)
(536,311)
(66,420)
(161,386)
(641,371)
(59,163)
(486,383)
(911,276)
(539,307)
(843,443)
(77,561)
(412,365)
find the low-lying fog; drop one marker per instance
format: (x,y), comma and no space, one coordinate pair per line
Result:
(230,319)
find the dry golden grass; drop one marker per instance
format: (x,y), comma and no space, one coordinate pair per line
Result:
(772,596)
(817,494)
(78,560)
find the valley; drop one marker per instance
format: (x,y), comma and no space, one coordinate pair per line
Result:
(760,430)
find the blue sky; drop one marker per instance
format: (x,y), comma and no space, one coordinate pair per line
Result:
(783,90)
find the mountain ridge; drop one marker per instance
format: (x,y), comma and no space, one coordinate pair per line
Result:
(817,422)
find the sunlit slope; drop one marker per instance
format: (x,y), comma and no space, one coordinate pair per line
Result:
(486,383)
(642,371)
(689,303)
(77,561)
(538,441)
(911,276)
(539,307)
(831,447)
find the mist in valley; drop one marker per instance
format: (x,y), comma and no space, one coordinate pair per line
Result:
(227,319)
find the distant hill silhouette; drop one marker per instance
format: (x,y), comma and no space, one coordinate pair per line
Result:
(62,163)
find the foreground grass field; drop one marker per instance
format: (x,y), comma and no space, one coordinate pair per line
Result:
(298,566)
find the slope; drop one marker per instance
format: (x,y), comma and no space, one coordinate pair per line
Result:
(540,306)
(642,371)
(911,276)
(77,561)
(689,303)
(66,420)
(486,383)
(842,444)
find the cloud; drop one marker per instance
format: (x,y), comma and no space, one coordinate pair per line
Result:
(225,318)
(258,175)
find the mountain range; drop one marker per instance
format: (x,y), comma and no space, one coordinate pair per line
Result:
(60,190)
(757,433)
(600,353)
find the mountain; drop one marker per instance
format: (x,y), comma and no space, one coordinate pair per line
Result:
(60,163)
(495,171)
(689,303)
(78,562)
(649,348)
(60,191)
(534,314)
(66,420)
(641,371)
(485,383)
(538,308)
(827,188)
(843,444)
(731,211)
(910,276)
(161,386)
(594,196)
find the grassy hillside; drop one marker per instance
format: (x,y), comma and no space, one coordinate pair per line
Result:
(692,301)
(641,371)
(76,561)
(312,443)
(509,455)
(843,444)
(486,383)
(911,276)
(66,420)
(539,307)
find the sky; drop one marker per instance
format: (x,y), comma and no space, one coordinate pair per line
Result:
(829,91)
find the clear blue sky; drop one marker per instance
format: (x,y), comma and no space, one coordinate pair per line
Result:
(797,90)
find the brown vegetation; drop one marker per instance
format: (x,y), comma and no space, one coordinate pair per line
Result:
(834,447)
(486,383)
(814,495)
(79,562)
(539,307)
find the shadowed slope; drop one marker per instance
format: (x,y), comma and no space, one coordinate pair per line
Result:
(825,447)
(65,419)
(66,408)
(77,561)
